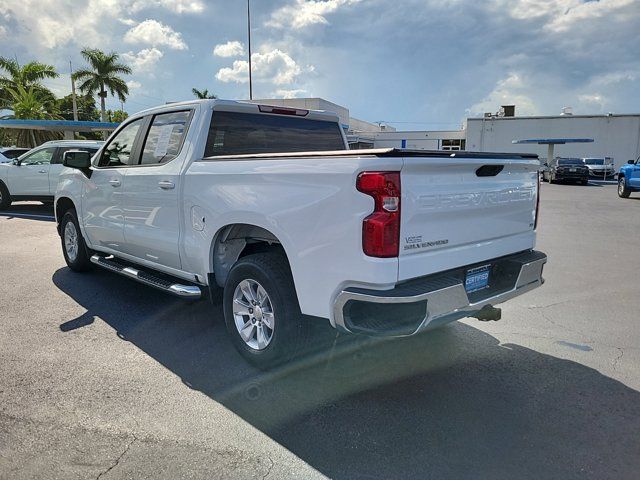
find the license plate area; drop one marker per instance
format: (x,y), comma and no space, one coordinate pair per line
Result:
(477,278)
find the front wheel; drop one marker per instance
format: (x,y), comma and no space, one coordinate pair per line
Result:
(261,310)
(74,248)
(623,190)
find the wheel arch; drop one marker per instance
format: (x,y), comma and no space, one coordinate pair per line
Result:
(234,241)
(62,206)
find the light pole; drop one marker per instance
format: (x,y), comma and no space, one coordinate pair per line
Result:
(249,42)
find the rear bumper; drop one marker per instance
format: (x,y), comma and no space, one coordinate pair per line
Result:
(433,300)
(572,176)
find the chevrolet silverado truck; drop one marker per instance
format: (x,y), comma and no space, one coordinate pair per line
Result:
(265,208)
(629,178)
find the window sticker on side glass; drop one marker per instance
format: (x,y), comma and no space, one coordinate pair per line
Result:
(163,141)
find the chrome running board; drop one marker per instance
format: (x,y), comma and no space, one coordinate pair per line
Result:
(191,292)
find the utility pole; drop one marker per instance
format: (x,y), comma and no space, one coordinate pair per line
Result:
(249,41)
(73,94)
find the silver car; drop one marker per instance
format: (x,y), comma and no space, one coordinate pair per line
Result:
(600,167)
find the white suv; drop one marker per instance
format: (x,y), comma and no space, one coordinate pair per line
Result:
(34,175)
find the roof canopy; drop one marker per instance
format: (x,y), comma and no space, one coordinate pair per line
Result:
(554,141)
(58,125)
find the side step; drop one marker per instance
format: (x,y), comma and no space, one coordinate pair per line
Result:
(191,292)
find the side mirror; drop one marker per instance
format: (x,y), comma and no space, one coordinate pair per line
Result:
(77,159)
(631,162)
(16,162)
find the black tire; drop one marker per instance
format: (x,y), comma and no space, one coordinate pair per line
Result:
(80,262)
(5,197)
(623,190)
(289,335)
(584,182)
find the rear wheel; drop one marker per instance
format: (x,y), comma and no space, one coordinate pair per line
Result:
(261,310)
(623,190)
(5,197)
(74,248)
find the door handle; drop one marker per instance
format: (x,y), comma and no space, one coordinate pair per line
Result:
(166,184)
(115,182)
(42,171)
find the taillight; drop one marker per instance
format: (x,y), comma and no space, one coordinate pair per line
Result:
(535,221)
(381,229)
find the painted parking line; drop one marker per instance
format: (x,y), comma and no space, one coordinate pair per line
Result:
(27,215)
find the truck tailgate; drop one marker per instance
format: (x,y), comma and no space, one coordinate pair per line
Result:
(454,214)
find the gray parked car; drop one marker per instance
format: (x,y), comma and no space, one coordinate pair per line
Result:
(600,167)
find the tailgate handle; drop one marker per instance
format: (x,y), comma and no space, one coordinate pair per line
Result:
(489,170)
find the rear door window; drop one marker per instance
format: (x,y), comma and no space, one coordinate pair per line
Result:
(233,133)
(165,137)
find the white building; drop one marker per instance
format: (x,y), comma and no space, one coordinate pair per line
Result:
(615,136)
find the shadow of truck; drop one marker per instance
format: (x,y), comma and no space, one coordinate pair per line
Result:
(451,403)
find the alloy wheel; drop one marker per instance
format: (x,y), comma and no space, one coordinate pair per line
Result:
(253,314)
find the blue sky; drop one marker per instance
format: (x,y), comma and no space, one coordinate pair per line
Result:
(415,64)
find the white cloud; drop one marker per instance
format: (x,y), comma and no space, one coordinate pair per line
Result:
(274,66)
(512,90)
(594,99)
(155,33)
(143,61)
(45,24)
(229,49)
(132,84)
(303,13)
(580,13)
(3,32)
(293,93)
(176,6)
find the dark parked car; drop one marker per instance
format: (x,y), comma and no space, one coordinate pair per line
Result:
(566,169)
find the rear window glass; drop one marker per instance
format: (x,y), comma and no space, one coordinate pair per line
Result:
(233,133)
(570,161)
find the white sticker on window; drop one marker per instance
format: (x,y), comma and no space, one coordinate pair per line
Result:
(163,140)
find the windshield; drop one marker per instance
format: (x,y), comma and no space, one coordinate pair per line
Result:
(594,161)
(569,161)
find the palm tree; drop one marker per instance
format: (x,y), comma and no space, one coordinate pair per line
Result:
(29,75)
(32,103)
(103,76)
(203,94)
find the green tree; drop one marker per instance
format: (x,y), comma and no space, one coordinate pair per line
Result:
(87,110)
(117,116)
(102,76)
(203,94)
(13,75)
(32,103)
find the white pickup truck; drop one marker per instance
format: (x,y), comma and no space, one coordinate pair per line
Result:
(268,208)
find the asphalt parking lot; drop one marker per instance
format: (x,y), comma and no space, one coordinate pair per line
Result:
(103,378)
